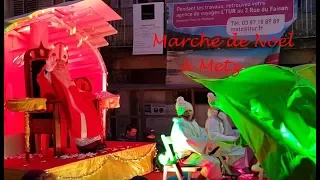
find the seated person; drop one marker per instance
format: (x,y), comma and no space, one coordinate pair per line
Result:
(129,135)
(189,141)
(219,129)
(76,108)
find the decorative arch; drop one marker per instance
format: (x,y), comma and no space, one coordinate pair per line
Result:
(80,25)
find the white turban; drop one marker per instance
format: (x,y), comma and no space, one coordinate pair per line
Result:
(211,98)
(182,106)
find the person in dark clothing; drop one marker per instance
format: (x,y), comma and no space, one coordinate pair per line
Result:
(129,135)
(151,136)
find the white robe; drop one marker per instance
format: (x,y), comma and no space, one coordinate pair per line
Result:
(219,129)
(189,138)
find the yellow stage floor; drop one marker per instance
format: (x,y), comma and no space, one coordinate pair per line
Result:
(122,161)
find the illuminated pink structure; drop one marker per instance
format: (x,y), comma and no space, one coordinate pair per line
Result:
(80,25)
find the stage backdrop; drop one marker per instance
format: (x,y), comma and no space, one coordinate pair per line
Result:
(249,19)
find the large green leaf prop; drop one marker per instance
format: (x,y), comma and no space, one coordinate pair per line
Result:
(273,108)
(307,71)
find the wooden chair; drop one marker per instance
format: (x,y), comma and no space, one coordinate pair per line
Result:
(46,122)
(175,165)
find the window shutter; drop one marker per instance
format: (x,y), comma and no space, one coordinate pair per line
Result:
(31,5)
(45,3)
(18,7)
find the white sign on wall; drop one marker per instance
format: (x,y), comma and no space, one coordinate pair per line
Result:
(148,20)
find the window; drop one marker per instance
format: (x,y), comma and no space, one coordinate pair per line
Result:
(45,3)
(18,7)
(26,6)
(306,6)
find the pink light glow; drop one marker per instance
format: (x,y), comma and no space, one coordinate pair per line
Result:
(84,58)
(14,88)
(240,171)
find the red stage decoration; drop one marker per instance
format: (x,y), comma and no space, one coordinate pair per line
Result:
(80,25)
(83,84)
(105,100)
(108,100)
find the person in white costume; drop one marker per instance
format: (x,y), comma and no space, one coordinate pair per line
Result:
(189,141)
(219,129)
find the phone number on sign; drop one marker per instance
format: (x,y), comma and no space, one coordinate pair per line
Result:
(260,22)
(252,25)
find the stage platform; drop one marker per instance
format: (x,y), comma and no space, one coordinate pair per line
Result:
(119,161)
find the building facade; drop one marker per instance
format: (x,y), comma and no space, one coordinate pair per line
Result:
(130,75)
(141,80)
